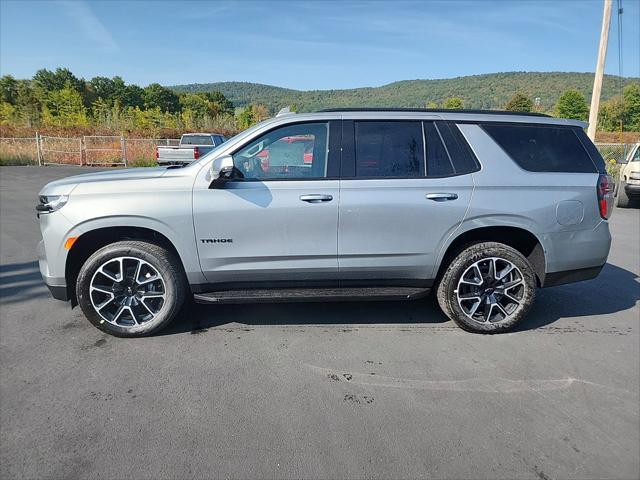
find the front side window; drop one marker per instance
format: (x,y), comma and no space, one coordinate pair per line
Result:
(389,149)
(296,151)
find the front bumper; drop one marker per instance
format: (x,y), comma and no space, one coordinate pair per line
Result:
(632,189)
(57,286)
(59,292)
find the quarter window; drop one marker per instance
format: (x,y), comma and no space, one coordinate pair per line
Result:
(542,148)
(389,149)
(294,151)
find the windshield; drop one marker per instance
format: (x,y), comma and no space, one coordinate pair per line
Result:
(196,140)
(232,140)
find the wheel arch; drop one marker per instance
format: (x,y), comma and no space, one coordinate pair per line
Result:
(524,241)
(91,241)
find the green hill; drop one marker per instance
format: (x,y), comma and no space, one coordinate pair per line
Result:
(490,91)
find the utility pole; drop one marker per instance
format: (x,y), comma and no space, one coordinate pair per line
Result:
(597,81)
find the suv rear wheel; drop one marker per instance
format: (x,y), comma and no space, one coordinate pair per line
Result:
(131,288)
(487,288)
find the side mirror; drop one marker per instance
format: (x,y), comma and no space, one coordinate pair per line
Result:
(222,167)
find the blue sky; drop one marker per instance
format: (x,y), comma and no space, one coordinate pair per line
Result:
(309,45)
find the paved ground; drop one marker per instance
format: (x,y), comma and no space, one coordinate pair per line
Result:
(344,390)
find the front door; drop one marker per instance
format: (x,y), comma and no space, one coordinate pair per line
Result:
(276,222)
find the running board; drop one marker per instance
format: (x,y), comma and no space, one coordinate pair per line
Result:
(273,295)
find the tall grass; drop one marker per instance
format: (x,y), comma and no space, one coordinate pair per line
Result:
(18,151)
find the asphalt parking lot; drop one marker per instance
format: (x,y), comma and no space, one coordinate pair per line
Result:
(330,390)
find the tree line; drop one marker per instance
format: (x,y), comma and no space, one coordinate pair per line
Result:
(621,112)
(58,100)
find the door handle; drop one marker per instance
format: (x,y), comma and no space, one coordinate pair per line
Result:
(316,198)
(441,197)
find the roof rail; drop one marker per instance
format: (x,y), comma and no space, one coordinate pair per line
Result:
(432,110)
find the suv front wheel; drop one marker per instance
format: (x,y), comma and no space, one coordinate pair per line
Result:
(487,288)
(131,288)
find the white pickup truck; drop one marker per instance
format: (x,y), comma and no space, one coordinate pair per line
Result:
(192,146)
(628,185)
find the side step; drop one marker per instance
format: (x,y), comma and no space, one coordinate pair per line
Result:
(273,295)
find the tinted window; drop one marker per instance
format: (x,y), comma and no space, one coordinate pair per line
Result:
(294,151)
(438,162)
(389,149)
(542,148)
(463,159)
(196,140)
(596,157)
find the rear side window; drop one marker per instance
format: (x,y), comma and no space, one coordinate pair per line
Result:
(438,162)
(542,148)
(463,159)
(389,149)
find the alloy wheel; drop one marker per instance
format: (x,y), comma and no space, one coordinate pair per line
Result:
(490,290)
(127,291)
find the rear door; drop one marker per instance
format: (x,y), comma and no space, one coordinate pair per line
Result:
(401,196)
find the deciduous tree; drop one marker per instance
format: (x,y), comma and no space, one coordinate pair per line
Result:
(454,103)
(519,102)
(572,104)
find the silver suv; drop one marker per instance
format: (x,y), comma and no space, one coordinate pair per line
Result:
(480,207)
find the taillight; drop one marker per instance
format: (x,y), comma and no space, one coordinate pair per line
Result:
(157,155)
(605,195)
(196,153)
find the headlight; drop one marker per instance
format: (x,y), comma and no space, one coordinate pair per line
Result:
(51,203)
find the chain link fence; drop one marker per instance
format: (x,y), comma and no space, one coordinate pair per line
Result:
(104,150)
(98,150)
(614,151)
(59,150)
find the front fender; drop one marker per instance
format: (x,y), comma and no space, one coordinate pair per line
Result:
(183,241)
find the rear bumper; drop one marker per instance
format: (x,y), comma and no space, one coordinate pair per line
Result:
(576,250)
(167,163)
(571,276)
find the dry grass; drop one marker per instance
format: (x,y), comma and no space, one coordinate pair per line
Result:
(18,151)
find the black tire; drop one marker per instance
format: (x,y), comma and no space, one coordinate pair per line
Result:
(163,261)
(447,289)
(622,200)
